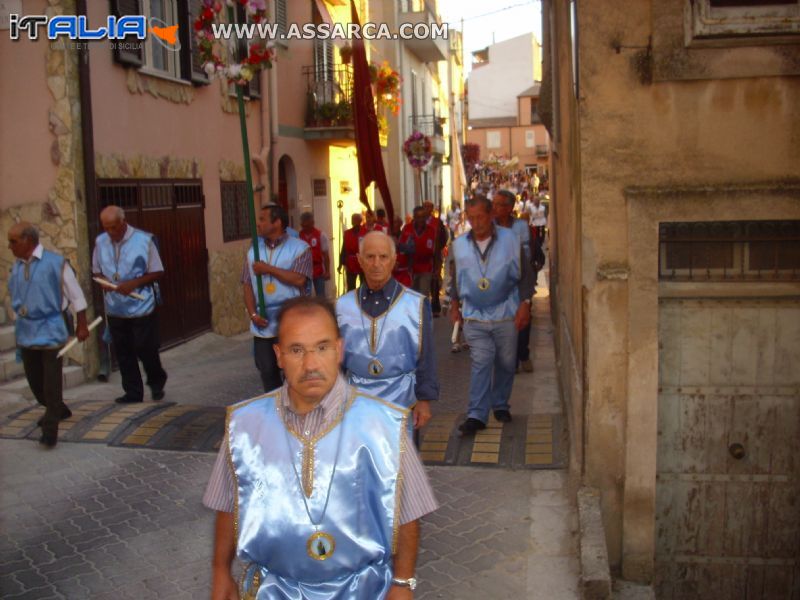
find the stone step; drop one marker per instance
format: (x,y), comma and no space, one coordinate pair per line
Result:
(7,341)
(9,367)
(72,374)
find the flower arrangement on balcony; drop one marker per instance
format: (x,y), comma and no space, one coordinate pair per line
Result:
(213,53)
(344,113)
(417,149)
(387,85)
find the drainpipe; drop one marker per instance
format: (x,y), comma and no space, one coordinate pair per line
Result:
(272,84)
(89,181)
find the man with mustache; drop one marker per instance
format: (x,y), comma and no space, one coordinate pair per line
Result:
(388,334)
(307,482)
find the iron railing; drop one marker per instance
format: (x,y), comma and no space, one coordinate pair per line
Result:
(730,251)
(329,96)
(427,124)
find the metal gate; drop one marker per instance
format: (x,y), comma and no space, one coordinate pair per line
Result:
(172,210)
(728,475)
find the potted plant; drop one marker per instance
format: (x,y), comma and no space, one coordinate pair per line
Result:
(326,113)
(346,53)
(344,113)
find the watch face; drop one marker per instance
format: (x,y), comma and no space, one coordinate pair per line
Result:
(412,583)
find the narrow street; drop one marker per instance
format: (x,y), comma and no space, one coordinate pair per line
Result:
(119,500)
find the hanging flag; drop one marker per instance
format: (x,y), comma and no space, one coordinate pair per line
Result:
(368,146)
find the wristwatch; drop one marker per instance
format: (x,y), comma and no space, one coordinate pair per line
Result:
(410,583)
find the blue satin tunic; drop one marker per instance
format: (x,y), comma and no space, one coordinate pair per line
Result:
(42,325)
(283,257)
(272,526)
(503,270)
(131,264)
(400,333)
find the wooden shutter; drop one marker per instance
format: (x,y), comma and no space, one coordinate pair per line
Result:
(130,58)
(281,16)
(191,63)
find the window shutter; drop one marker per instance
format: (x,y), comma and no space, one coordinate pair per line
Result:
(191,63)
(124,56)
(280,16)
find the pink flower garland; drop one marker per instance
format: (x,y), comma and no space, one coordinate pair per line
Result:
(417,149)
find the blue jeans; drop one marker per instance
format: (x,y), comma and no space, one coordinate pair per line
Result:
(493,354)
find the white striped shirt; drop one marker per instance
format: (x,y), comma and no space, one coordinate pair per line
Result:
(416,495)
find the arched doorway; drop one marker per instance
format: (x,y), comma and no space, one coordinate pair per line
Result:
(287,187)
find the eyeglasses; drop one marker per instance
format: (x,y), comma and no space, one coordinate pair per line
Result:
(298,352)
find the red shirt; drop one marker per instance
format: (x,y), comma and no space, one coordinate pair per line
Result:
(424,245)
(350,245)
(314,239)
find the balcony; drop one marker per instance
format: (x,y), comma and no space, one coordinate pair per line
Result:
(433,127)
(427,49)
(329,108)
(542,150)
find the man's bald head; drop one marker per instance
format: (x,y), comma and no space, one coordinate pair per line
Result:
(377,240)
(113,220)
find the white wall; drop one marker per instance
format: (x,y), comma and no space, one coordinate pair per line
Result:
(494,86)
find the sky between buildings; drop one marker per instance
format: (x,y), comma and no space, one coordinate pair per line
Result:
(487,22)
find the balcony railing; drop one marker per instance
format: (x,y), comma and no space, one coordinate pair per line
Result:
(542,150)
(329,94)
(430,125)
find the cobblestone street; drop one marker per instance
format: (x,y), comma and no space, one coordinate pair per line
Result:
(94,521)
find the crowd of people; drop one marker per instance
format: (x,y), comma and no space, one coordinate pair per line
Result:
(347,387)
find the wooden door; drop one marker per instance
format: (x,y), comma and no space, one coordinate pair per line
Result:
(727,505)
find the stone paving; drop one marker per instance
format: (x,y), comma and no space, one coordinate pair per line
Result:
(98,522)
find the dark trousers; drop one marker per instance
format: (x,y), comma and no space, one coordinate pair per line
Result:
(436,287)
(43,371)
(134,340)
(523,344)
(351,279)
(267,363)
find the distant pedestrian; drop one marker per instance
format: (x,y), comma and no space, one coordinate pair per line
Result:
(42,285)
(128,259)
(348,255)
(382,224)
(491,277)
(285,265)
(423,236)
(502,207)
(320,252)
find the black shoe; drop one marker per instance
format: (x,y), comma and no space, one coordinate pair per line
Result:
(66,413)
(471,426)
(503,416)
(158,394)
(126,400)
(49,439)
(102,378)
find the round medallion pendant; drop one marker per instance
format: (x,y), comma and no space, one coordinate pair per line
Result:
(483,284)
(115,277)
(320,545)
(375,367)
(271,287)
(23,311)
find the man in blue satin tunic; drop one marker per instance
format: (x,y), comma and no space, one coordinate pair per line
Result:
(388,334)
(317,488)
(491,291)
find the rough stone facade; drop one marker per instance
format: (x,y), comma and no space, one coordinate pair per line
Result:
(138,166)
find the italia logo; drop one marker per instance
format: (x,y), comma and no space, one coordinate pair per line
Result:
(76,27)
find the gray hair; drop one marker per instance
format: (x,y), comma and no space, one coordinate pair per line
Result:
(392,250)
(508,195)
(117,211)
(31,234)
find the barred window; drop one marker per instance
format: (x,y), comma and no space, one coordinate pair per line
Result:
(730,251)
(235,220)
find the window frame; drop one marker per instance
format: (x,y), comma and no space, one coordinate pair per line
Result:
(174,68)
(774,24)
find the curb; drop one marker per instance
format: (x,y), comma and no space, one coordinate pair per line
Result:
(595,574)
